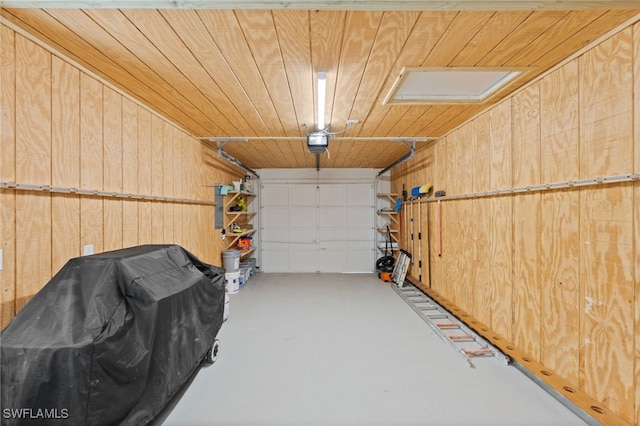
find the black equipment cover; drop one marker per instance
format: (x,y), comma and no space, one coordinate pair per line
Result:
(111,338)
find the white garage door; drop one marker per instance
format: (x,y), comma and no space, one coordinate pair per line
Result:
(317,228)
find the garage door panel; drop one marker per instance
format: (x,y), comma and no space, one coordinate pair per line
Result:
(303,216)
(278,246)
(332,216)
(332,195)
(359,234)
(303,196)
(359,245)
(332,261)
(275,260)
(275,216)
(275,195)
(302,235)
(360,195)
(360,216)
(274,235)
(360,261)
(331,234)
(332,245)
(304,259)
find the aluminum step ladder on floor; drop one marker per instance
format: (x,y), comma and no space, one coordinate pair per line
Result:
(401,267)
(456,334)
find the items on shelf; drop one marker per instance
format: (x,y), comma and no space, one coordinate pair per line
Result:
(241,205)
(239,244)
(244,244)
(392,245)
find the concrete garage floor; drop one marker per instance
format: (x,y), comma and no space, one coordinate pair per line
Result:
(337,349)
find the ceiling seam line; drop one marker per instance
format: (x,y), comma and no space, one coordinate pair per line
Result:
(143,62)
(210,101)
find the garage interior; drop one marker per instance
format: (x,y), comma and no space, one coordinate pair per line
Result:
(337,362)
(119,119)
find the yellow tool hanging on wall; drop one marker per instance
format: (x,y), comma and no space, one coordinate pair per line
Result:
(420,191)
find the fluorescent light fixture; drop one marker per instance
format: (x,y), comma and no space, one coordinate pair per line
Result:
(451,85)
(322,94)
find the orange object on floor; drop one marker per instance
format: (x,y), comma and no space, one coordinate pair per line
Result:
(385,276)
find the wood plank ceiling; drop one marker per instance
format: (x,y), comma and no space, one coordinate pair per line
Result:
(250,73)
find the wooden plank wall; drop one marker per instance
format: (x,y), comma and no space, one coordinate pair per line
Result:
(606,224)
(559,238)
(481,174)
(527,291)
(636,214)
(7,172)
(33,165)
(63,127)
(556,273)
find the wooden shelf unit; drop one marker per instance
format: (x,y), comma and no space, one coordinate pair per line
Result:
(391,196)
(392,221)
(245,254)
(233,237)
(239,217)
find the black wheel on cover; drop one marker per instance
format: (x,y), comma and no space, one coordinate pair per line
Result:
(212,353)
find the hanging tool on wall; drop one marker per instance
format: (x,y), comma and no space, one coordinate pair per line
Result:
(421,191)
(439,194)
(419,243)
(413,240)
(398,209)
(417,193)
(428,240)
(439,224)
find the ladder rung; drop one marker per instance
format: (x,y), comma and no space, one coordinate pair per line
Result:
(437,316)
(478,352)
(460,337)
(427,305)
(448,325)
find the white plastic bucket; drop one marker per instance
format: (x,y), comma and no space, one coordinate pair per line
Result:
(232,281)
(249,265)
(231,260)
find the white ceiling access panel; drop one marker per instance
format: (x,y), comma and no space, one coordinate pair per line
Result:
(424,85)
